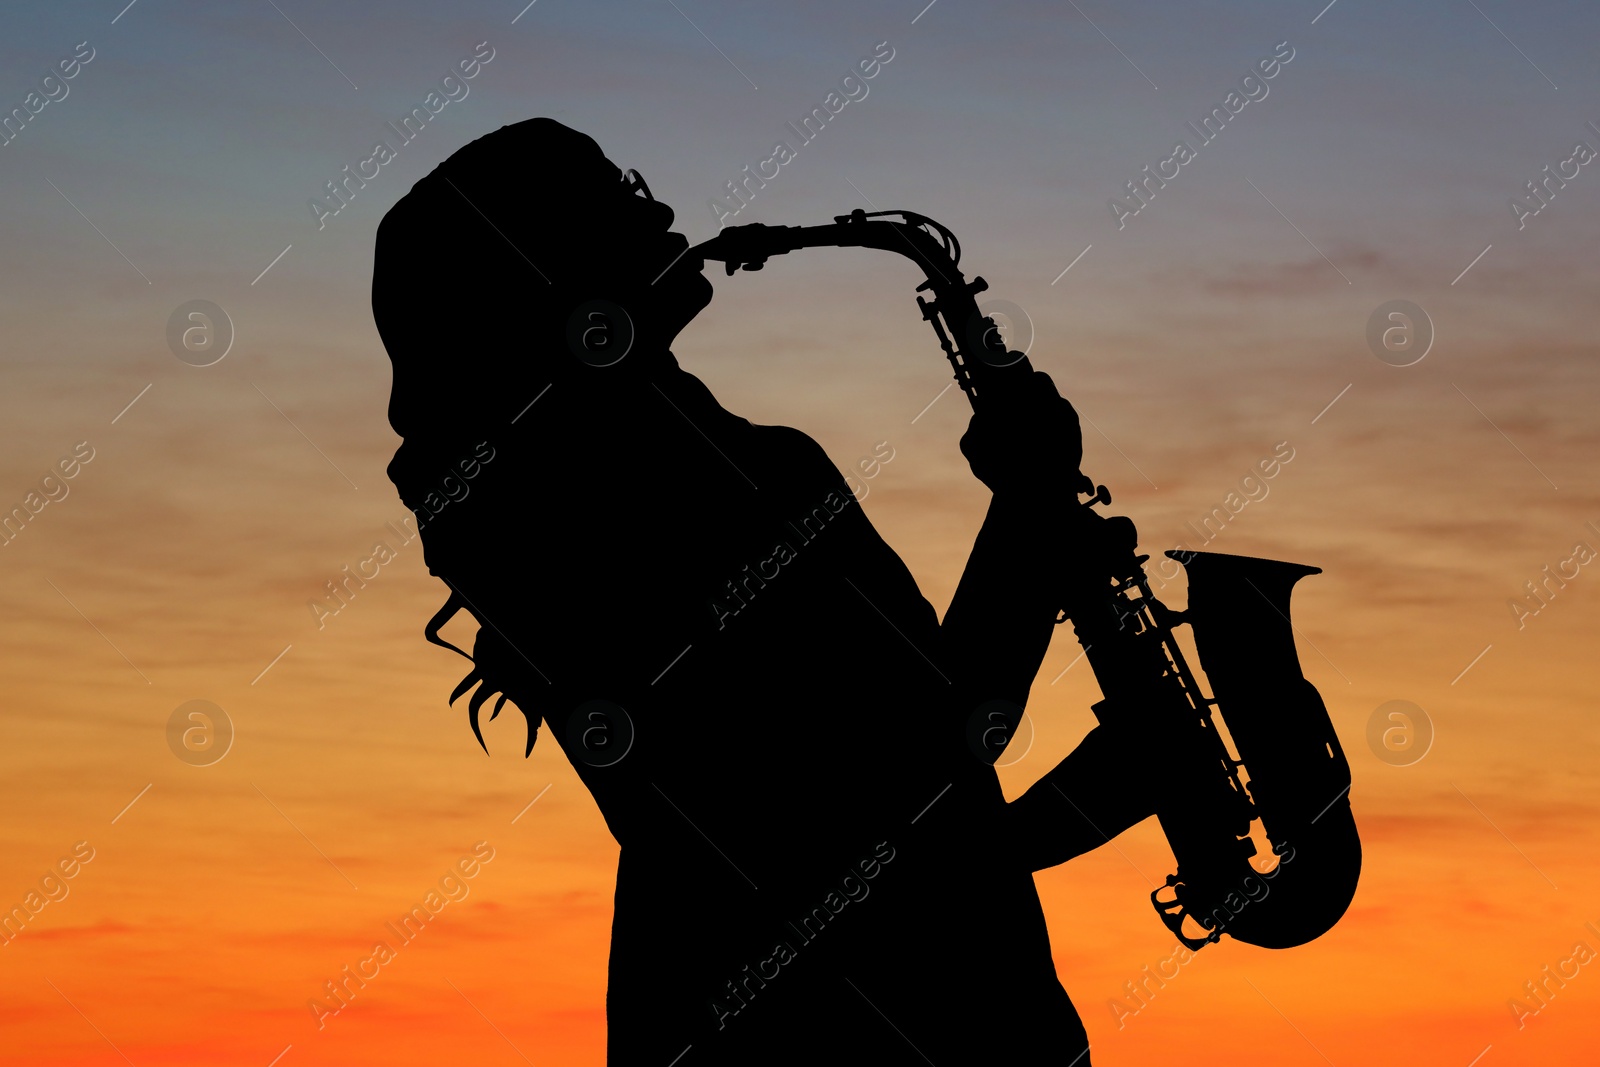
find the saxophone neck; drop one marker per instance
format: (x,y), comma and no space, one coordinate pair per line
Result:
(915,236)
(970,339)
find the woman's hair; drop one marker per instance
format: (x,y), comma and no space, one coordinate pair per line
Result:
(475,272)
(489,673)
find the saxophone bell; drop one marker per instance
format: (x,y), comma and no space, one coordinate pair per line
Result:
(1297,777)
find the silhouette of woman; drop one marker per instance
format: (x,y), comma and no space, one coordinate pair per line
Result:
(816,864)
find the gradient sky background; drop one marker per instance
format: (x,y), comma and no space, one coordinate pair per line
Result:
(1193,341)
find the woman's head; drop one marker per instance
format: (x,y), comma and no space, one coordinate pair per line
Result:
(487,277)
(526,261)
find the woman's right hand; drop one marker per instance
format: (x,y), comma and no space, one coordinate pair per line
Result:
(1027,442)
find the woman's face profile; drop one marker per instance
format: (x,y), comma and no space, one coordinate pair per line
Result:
(659,287)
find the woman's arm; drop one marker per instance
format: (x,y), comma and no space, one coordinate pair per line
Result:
(1026,448)
(1001,619)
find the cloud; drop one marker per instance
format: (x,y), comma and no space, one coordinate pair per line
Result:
(1308,276)
(93,931)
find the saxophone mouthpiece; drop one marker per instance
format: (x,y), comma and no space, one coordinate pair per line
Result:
(716,248)
(746,247)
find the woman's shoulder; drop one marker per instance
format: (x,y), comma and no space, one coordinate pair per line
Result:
(789,442)
(795,457)
(784,455)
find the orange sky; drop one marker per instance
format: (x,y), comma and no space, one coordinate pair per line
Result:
(181,559)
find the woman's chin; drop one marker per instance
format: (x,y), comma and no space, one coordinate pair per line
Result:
(698,287)
(691,292)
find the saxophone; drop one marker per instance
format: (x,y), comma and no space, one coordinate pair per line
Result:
(1284,778)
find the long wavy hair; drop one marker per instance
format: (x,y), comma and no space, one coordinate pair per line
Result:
(471,307)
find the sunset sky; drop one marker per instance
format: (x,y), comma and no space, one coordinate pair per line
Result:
(1228,316)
